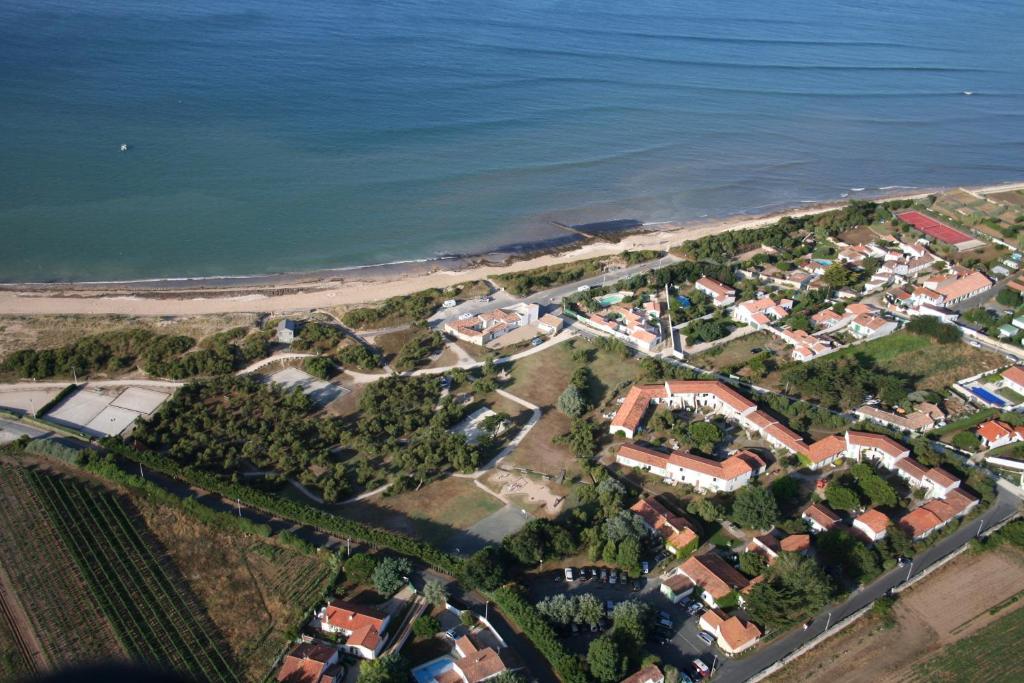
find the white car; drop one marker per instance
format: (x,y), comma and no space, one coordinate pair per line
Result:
(465,316)
(583,288)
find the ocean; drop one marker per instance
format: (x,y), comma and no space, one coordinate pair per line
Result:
(269,136)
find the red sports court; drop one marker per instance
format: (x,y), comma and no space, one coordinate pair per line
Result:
(937,229)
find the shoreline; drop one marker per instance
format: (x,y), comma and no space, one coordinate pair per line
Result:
(357,285)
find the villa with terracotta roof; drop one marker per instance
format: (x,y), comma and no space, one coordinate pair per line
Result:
(820,516)
(996,433)
(675,530)
(310,663)
(759,313)
(769,546)
(649,674)
(956,285)
(637,327)
(870,326)
(734,635)
(721,295)
(1013,377)
(916,421)
(469,662)
(825,451)
(805,346)
(488,326)
(872,525)
(886,451)
(363,625)
(706,474)
(715,577)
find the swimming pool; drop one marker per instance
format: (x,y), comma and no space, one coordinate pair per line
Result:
(611,299)
(431,670)
(822,261)
(683,301)
(988,397)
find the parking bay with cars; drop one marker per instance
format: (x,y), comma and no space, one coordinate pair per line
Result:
(678,644)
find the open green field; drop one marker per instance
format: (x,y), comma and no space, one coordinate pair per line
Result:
(991,655)
(542,377)
(928,364)
(736,352)
(431,513)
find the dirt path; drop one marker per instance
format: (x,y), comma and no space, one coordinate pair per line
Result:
(946,607)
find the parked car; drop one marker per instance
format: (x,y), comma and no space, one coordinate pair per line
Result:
(581,573)
(667,623)
(645,567)
(610,605)
(536,341)
(612,577)
(695,608)
(701,668)
(664,615)
(451,633)
(583,288)
(465,316)
(706,637)
(593,572)
(604,575)
(570,574)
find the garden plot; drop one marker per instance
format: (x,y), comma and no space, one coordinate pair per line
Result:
(106,414)
(321,392)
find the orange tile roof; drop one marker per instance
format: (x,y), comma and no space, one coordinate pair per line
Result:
(919,522)
(823,449)
(733,467)
(874,520)
(993,430)
(877,441)
(678,583)
(734,631)
(822,515)
(960,500)
(1014,374)
(481,665)
(649,674)
(363,624)
(796,543)
(941,477)
(713,574)
(787,437)
(911,468)
(648,456)
(631,413)
(964,286)
(760,419)
(720,390)
(304,663)
(719,290)
(677,531)
(941,509)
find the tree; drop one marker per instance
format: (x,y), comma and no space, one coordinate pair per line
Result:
(606,659)
(794,588)
(571,402)
(538,540)
(752,564)
(359,568)
(319,366)
(632,619)
(755,508)
(841,497)
(390,575)
(967,440)
(786,490)
(435,592)
(508,677)
(589,609)
(877,489)
(1008,297)
(580,439)
(426,626)
(559,608)
(706,509)
(838,276)
(390,668)
(484,569)
(703,435)
(628,555)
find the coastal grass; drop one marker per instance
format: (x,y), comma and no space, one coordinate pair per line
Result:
(526,282)
(734,353)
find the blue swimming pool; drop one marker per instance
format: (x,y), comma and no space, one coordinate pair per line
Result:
(683,301)
(988,397)
(431,670)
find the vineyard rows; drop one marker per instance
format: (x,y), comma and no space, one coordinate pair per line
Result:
(154,615)
(48,585)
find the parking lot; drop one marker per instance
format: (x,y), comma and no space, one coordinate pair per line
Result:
(108,412)
(679,649)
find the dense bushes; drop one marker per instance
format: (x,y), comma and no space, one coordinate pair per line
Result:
(844,382)
(410,308)
(934,328)
(157,354)
(417,350)
(529,620)
(530,281)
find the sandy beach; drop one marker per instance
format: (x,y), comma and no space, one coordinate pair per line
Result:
(357,288)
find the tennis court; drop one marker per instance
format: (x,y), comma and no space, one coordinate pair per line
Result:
(933,228)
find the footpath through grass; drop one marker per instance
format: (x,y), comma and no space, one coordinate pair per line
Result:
(992,655)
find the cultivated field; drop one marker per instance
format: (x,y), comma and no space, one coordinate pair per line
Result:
(946,608)
(153,614)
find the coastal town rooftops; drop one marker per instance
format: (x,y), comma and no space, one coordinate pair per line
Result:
(304,663)
(875,520)
(649,674)
(941,477)
(720,390)
(960,500)
(965,285)
(914,421)
(870,321)
(822,515)
(678,583)
(643,454)
(482,664)
(676,530)
(912,468)
(733,467)
(940,509)
(351,617)
(795,543)
(719,290)
(1014,374)
(735,632)
(631,413)
(787,437)
(714,575)
(994,430)
(877,441)
(823,449)
(919,522)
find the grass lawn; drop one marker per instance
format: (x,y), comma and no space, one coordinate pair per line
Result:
(431,513)
(1011,395)
(390,343)
(735,352)
(928,364)
(989,655)
(542,377)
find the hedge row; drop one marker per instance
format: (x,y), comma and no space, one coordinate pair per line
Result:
(64,393)
(287,509)
(220,520)
(536,628)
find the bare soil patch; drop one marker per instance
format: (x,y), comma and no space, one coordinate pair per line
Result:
(947,606)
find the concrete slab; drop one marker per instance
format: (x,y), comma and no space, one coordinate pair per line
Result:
(111,421)
(27,400)
(319,391)
(140,400)
(491,529)
(80,408)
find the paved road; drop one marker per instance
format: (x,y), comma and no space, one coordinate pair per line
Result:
(1006,505)
(15,429)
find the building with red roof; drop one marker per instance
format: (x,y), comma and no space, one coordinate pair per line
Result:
(820,516)
(1014,378)
(649,674)
(677,531)
(872,524)
(363,625)
(310,663)
(715,577)
(885,451)
(734,635)
(721,295)
(996,433)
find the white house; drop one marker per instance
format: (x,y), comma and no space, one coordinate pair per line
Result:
(721,295)
(364,626)
(311,662)
(761,312)
(488,326)
(733,634)
(867,326)
(705,474)
(820,517)
(872,524)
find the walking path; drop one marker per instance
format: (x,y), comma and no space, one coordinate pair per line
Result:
(263,362)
